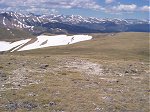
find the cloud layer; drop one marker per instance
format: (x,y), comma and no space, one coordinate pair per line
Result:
(89,4)
(48,6)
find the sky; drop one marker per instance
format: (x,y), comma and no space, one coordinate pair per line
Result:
(123,9)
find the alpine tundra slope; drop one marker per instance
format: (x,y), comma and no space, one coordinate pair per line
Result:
(109,73)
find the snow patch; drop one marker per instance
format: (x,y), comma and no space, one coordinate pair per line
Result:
(4,21)
(43,41)
(38,20)
(55,41)
(6,46)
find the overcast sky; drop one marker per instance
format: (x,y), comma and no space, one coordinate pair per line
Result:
(96,8)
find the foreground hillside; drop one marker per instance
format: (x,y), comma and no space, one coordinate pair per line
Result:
(108,73)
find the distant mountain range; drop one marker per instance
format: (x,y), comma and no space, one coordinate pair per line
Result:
(62,24)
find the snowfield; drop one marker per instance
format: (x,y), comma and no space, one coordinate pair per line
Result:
(41,42)
(6,46)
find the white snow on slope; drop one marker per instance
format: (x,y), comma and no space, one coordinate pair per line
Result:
(6,46)
(46,41)
(43,41)
(4,21)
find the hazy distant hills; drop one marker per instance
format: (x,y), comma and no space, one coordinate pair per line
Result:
(61,24)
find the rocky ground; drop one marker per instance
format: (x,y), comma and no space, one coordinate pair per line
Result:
(72,84)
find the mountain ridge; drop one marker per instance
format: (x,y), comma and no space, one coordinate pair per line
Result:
(63,24)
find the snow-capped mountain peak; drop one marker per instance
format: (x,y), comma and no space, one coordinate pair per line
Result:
(43,23)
